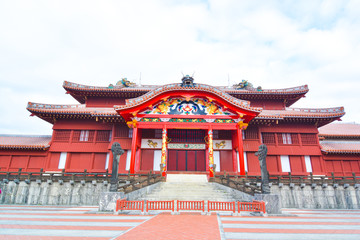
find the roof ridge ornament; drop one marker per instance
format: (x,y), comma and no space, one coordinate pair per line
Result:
(246,85)
(122,83)
(187,81)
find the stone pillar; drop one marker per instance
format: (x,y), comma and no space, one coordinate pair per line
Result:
(241,126)
(163,164)
(133,150)
(211,153)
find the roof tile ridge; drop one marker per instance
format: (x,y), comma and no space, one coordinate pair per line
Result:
(340,109)
(71,85)
(24,135)
(301,89)
(32,105)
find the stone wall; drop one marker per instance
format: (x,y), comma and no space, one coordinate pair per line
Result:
(89,193)
(52,193)
(318,197)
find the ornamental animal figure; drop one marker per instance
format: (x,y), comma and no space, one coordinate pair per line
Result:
(261,154)
(220,144)
(244,84)
(125,83)
(117,151)
(152,144)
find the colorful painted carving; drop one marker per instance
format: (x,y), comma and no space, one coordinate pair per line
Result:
(181,106)
(221,144)
(163,153)
(152,144)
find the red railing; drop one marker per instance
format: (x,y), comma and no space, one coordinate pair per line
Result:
(191,205)
(122,204)
(160,205)
(221,206)
(254,206)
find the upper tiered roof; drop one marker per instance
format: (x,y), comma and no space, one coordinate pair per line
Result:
(81,92)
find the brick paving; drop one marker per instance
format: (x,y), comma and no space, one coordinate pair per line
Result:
(172,227)
(299,224)
(56,222)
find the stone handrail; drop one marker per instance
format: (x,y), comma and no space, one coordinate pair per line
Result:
(252,184)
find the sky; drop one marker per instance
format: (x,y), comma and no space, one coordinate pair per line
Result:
(272,44)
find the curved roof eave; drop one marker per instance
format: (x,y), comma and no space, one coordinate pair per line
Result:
(202,90)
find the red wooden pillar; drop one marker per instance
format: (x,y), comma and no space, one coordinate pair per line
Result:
(211,153)
(235,167)
(241,126)
(133,150)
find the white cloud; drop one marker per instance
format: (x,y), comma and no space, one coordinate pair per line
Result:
(274,44)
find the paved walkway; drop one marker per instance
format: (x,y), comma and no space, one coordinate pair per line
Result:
(49,222)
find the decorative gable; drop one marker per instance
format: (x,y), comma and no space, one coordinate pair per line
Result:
(193,106)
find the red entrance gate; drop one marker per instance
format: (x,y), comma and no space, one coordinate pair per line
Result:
(186,160)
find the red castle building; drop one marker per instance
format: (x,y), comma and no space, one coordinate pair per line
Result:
(184,127)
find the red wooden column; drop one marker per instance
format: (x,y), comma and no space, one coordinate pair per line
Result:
(211,153)
(164,152)
(241,126)
(133,149)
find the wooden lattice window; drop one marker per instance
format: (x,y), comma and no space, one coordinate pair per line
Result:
(121,131)
(251,134)
(223,134)
(186,135)
(308,138)
(83,136)
(288,138)
(103,136)
(62,135)
(268,138)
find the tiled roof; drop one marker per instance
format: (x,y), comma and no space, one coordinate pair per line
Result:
(70,109)
(340,146)
(75,86)
(24,142)
(341,130)
(293,90)
(302,113)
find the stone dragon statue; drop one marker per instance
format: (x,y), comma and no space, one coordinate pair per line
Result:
(261,154)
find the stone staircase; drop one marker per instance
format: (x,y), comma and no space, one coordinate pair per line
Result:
(190,187)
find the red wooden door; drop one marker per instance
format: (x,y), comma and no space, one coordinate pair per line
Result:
(171,163)
(181,160)
(200,160)
(191,160)
(186,160)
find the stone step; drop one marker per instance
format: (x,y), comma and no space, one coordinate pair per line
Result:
(188,191)
(187,178)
